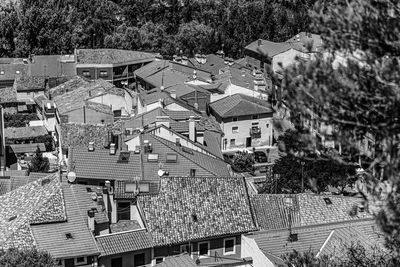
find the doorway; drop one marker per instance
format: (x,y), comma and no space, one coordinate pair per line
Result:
(248,141)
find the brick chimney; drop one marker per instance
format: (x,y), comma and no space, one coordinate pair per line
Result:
(91,219)
(192,129)
(162,120)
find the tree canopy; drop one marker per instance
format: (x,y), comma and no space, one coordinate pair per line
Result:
(26,258)
(168,26)
(355,87)
(39,163)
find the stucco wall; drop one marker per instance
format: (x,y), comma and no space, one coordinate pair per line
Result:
(91,116)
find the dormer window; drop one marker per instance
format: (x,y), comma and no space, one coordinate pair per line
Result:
(172,158)
(328,201)
(152,157)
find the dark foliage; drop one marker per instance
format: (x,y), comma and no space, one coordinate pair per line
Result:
(18,119)
(39,163)
(168,26)
(25,258)
(243,162)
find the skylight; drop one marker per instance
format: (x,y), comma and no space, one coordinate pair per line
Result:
(68,235)
(328,201)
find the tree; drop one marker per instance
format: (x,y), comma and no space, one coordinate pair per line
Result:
(243,161)
(39,163)
(23,258)
(355,87)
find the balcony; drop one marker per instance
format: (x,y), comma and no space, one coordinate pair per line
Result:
(255,132)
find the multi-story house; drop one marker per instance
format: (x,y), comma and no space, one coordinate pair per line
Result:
(113,65)
(184,216)
(245,121)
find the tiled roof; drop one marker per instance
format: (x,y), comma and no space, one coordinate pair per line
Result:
(181,260)
(268,48)
(153,96)
(8,95)
(307,209)
(99,107)
(5,186)
(80,134)
(240,105)
(27,83)
(112,244)
(184,89)
(111,56)
(204,165)
(16,173)
(301,40)
(68,86)
(26,148)
(76,99)
(25,132)
(83,196)
(277,244)
(13,71)
(38,202)
(52,237)
(194,208)
(159,73)
(99,164)
(124,225)
(213,63)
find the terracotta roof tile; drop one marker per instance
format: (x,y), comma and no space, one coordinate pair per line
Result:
(240,105)
(112,244)
(111,56)
(8,95)
(27,83)
(307,209)
(38,202)
(80,134)
(124,225)
(68,86)
(24,132)
(190,208)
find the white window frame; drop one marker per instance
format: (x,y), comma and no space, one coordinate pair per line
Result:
(234,246)
(208,250)
(80,263)
(236,130)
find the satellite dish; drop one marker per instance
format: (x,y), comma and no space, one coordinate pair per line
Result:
(160,173)
(71,176)
(93,196)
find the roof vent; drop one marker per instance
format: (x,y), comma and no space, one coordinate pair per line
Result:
(194,217)
(69,236)
(328,201)
(91,146)
(172,158)
(88,189)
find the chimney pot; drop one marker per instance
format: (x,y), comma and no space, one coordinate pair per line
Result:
(259,42)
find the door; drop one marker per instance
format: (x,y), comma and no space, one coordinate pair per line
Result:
(70,263)
(139,259)
(248,141)
(117,262)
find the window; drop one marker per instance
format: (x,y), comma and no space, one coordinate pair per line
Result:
(234,119)
(235,129)
(103,74)
(2,72)
(192,172)
(80,260)
(185,248)
(232,143)
(86,73)
(172,158)
(293,238)
(144,187)
(152,158)
(254,124)
(159,260)
(267,125)
(204,249)
(130,187)
(254,117)
(229,246)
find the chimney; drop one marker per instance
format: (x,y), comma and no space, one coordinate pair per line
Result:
(162,120)
(91,219)
(173,94)
(198,58)
(204,59)
(192,129)
(259,42)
